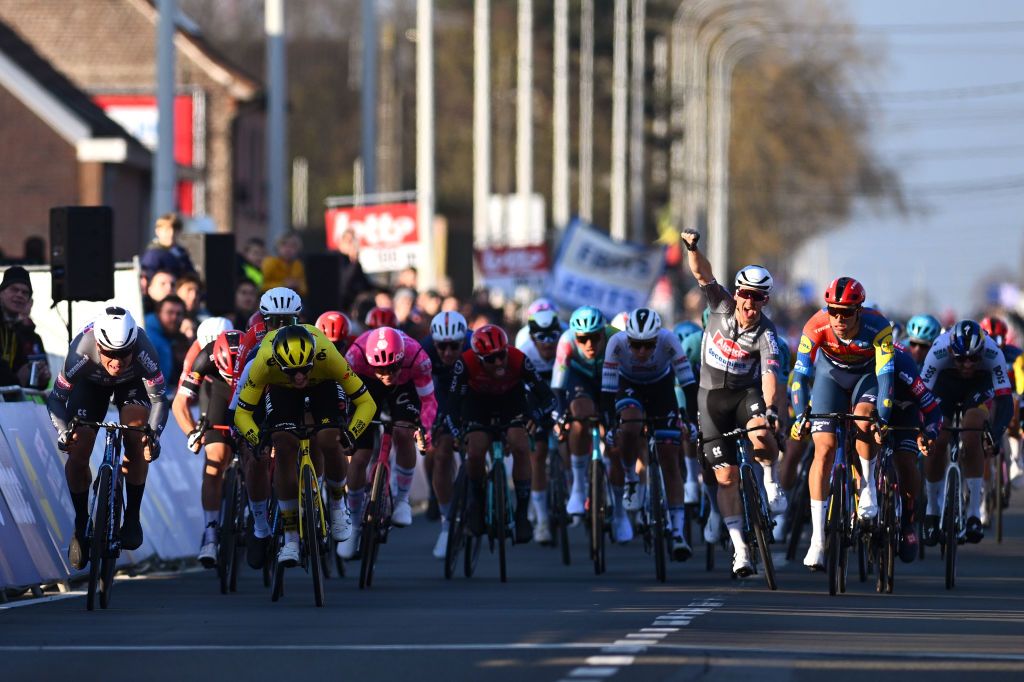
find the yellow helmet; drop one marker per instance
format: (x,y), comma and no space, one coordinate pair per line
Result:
(294,347)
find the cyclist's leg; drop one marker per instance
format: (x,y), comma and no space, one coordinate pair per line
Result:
(217,447)
(827,396)
(973,462)
(750,412)
(949,390)
(443,472)
(625,455)
(286,407)
(405,407)
(87,401)
(905,461)
(865,398)
(717,415)
(539,485)
(691,487)
(477,444)
(134,411)
(583,394)
(519,445)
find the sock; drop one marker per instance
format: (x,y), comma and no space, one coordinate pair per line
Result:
(540,503)
(867,467)
(134,502)
(211,517)
(260,527)
(975,486)
(818,522)
(618,508)
(446,509)
(212,521)
(677,516)
(769,477)
(631,475)
(403,477)
(335,493)
(579,472)
(735,526)
(933,490)
(290,519)
(355,505)
(692,469)
(80,501)
(712,493)
(522,496)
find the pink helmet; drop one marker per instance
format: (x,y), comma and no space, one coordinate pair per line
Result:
(384,346)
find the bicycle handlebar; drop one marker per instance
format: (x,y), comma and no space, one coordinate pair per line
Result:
(76,422)
(735,433)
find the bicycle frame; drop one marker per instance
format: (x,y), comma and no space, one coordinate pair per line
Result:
(111,448)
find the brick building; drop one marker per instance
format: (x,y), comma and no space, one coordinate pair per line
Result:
(107,48)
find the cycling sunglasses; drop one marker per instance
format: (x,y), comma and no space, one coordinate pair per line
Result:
(115,354)
(388,369)
(842,312)
(649,345)
(752,295)
(919,344)
(448,345)
(494,358)
(292,371)
(966,359)
(592,338)
(278,321)
(546,337)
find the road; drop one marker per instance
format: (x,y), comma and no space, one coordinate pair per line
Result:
(549,623)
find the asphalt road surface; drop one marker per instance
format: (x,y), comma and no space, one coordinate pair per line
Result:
(549,622)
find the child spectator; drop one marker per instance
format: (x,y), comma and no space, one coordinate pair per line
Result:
(285,269)
(164,253)
(250,261)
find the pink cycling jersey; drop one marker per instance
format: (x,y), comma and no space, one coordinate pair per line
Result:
(416,368)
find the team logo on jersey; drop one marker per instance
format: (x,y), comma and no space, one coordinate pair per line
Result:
(729,348)
(148,362)
(805,345)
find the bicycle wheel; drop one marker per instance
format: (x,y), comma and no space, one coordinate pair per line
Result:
(314,533)
(597,505)
(275,569)
(271,551)
(500,517)
(369,540)
(456,524)
(892,539)
(834,535)
(1000,494)
(228,510)
(950,529)
(762,536)
(98,535)
(108,564)
(556,506)
(845,530)
(798,513)
(241,523)
(659,520)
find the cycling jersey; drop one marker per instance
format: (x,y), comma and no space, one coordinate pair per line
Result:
(910,394)
(544,367)
(734,356)
(871,349)
(519,377)
(442,373)
(416,369)
(82,365)
(569,358)
(667,358)
(199,367)
(328,365)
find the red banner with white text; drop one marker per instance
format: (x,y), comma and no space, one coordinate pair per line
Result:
(387,234)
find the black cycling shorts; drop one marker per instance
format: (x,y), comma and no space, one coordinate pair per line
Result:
(90,401)
(286,406)
(401,402)
(480,410)
(657,400)
(579,385)
(214,400)
(721,410)
(952,389)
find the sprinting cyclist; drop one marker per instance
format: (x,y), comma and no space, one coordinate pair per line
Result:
(922,330)
(683,332)
(338,328)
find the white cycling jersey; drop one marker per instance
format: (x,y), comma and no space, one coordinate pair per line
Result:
(992,360)
(544,367)
(668,357)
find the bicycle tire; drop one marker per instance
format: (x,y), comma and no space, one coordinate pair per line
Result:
(799,507)
(275,569)
(108,565)
(597,505)
(762,535)
(268,556)
(1000,495)
(888,569)
(949,530)
(472,556)
(226,551)
(500,517)
(368,543)
(556,506)
(456,524)
(314,533)
(98,536)
(660,521)
(846,531)
(833,536)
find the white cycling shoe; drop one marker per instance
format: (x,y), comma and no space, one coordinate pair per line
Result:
(622,529)
(577,502)
(777,502)
(867,507)
(208,555)
(288,555)
(742,567)
(815,559)
(691,492)
(633,496)
(542,532)
(341,524)
(401,516)
(713,528)
(347,549)
(441,546)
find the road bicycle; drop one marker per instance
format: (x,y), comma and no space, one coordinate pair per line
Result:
(599,498)
(653,518)
(461,543)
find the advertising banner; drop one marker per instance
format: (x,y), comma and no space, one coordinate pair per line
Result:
(507,268)
(388,234)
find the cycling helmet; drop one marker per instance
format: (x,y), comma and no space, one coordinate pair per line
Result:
(996,328)
(966,339)
(380,317)
(210,328)
(586,320)
(294,347)
(115,329)
(844,291)
(684,329)
(923,328)
(539,305)
(643,324)
(448,326)
(544,322)
(280,301)
(225,352)
(691,346)
(489,339)
(385,346)
(755,277)
(254,319)
(334,325)
(620,320)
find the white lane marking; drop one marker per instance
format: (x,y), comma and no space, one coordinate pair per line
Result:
(644,642)
(593,671)
(659,629)
(81,593)
(42,600)
(647,635)
(610,660)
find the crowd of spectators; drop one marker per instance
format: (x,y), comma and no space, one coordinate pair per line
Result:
(22,356)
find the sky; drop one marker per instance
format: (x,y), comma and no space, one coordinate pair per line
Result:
(947,111)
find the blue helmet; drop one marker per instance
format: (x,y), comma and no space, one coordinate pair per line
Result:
(684,329)
(967,339)
(586,320)
(924,328)
(691,346)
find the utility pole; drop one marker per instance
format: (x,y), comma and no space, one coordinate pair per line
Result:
(620,101)
(481,119)
(277,123)
(586,139)
(425,142)
(369,96)
(524,113)
(636,131)
(560,116)
(163,161)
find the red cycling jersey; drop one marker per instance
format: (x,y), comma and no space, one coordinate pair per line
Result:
(247,345)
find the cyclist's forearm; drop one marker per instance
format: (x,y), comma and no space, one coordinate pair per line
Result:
(1003,414)
(690,392)
(363,414)
(700,266)
(770,388)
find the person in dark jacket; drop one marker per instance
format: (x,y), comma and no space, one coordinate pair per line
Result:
(164,253)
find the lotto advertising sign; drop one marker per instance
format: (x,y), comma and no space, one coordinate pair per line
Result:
(592,269)
(388,234)
(507,268)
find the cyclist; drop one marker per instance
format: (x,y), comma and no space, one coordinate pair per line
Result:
(965,367)
(684,331)
(380,317)
(922,330)
(449,338)
(541,345)
(337,327)
(997,328)
(847,350)
(110,358)
(538,306)
(397,372)
(292,364)
(490,383)
(641,367)
(739,386)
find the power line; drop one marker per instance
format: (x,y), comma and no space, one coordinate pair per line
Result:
(915,29)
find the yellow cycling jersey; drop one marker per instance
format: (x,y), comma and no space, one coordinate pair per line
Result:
(1018,374)
(328,365)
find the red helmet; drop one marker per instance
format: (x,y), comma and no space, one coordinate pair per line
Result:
(385,346)
(844,291)
(381,317)
(334,325)
(254,319)
(488,340)
(996,328)
(225,352)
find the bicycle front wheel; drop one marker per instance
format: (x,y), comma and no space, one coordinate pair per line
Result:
(456,524)
(598,501)
(1001,497)
(99,535)
(762,536)
(556,505)
(314,532)
(950,526)
(228,511)
(659,519)
(834,534)
(500,517)
(369,541)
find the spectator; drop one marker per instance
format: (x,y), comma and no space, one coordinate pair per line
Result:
(164,253)
(156,287)
(247,299)
(250,261)
(383,299)
(18,341)
(32,346)
(407,278)
(430,303)
(353,280)
(189,288)
(163,328)
(410,319)
(285,269)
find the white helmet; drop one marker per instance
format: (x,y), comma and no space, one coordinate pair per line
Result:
(280,301)
(115,329)
(755,277)
(210,328)
(448,326)
(643,324)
